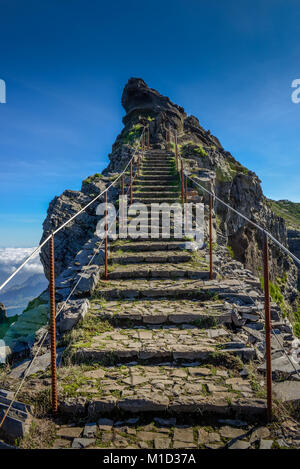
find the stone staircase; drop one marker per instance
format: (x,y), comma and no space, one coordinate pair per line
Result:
(157,342)
(161,356)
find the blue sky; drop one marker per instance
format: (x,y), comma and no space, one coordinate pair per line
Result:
(65,64)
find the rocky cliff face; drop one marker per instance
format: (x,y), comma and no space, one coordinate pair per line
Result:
(71,239)
(205,158)
(294,246)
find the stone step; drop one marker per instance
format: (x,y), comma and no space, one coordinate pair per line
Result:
(156,200)
(156,168)
(161,343)
(155,188)
(160,200)
(156,194)
(149,257)
(157,163)
(149,273)
(150,180)
(160,433)
(155,173)
(161,390)
(147,246)
(18,421)
(167,154)
(174,289)
(155,238)
(203,314)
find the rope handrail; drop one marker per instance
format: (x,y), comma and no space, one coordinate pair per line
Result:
(57,313)
(185,175)
(274,334)
(37,249)
(260,228)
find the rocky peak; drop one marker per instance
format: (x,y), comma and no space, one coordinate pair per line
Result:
(137,96)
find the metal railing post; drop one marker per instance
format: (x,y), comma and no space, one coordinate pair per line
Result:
(52,326)
(122,208)
(176,150)
(131,182)
(148,138)
(267,327)
(210,240)
(182,189)
(105,240)
(186,209)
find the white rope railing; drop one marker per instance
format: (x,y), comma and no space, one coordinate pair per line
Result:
(260,228)
(42,340)
(36,250)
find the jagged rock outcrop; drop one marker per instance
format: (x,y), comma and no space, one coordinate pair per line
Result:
(3,315)
(71,239)
(206,159)
(294,246)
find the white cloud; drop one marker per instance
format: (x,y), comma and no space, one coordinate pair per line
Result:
(11,258)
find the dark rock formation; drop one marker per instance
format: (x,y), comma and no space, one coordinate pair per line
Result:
(3,315)
(294,246)
(71,239)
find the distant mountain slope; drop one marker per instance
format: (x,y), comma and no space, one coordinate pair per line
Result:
(26,285)
(17,297)
(289,211)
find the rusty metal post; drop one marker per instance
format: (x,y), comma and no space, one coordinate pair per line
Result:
(182,189)
(105,239)
(122,208)
(176,150)
(52,326)
(131,182)
(210,240)
(268,327)
(185,198)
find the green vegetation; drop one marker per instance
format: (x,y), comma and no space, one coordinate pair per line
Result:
(83,333)
(205,322)
(296,324)
(230,250)
(223,176)
(230,170)
(132,135)
(289,211)
(192,148)
(92,178)
(6,324)
(276,294)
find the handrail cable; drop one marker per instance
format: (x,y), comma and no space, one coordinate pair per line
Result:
(245,218)
(274,240)
(274,334)
(56,315)
(36,250)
